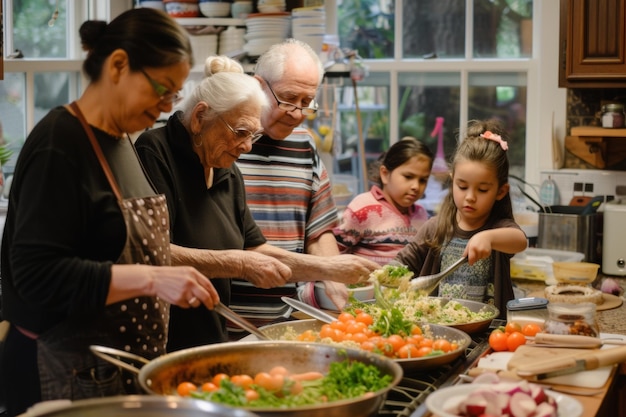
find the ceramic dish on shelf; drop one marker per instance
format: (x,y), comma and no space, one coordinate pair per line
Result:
(443,400)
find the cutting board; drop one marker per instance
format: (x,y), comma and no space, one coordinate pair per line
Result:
(594,378)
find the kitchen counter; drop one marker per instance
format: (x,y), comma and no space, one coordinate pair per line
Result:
(610,321)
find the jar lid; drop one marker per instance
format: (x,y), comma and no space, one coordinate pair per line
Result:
(613,107)
(568,308)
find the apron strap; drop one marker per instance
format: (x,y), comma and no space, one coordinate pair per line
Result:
(96,147)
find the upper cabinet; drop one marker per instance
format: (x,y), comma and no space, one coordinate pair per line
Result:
(593,44)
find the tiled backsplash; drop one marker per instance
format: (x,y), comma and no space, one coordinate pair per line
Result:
(592,181)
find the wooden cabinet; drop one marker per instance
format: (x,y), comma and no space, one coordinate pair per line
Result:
(602,148)
(592,43)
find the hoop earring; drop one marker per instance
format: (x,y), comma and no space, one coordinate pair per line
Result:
(197,144)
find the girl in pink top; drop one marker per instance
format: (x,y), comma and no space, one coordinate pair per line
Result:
(378,223)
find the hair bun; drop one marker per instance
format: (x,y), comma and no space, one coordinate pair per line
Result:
(221,63)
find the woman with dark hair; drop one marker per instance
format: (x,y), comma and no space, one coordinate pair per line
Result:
(86,248)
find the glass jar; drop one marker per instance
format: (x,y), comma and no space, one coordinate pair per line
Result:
(613,115)
(579,319)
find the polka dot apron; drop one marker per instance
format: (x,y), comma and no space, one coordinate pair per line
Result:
(67,367)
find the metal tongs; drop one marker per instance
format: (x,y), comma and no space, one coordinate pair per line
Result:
(428,283)
(229,314)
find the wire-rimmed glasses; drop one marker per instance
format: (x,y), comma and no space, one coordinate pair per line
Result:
(283,105)
(243,134)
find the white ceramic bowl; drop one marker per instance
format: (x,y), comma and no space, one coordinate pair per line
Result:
(360,293)
(215,9)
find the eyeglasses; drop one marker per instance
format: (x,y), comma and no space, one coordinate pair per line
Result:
(243,134)
(283,105)
(165,95)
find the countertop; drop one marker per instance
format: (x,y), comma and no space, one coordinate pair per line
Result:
(610,321)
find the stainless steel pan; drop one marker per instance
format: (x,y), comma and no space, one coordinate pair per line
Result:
(284,330)
(161,376)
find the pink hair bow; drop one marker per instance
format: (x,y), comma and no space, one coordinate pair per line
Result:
(496,138)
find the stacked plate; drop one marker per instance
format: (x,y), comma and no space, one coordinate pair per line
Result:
(231,40)
(308,24)
(265,29)
(203,46)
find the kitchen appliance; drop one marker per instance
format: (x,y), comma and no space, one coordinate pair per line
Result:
(614,238)
(572,228)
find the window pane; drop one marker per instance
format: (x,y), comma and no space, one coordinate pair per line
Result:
(433,28)
(32,33)
(423,98)
(367,27)
(12,115)
(51,90)
(502,96)
(503,29)
(373,103)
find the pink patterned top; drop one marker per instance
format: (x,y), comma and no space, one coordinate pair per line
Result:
(374,228)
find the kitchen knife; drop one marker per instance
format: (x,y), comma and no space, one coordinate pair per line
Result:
(561,366)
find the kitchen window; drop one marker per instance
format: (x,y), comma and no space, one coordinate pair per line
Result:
(472,76)
(459,60)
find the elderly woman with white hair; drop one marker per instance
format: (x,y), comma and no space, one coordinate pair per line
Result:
(191,161)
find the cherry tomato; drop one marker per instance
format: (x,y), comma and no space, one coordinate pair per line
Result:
(497,340)
(217,379)
(355,327)
(251,395)
(368,345)
(416,331)
(443,345)
(339,325)
(243,381)
(279,370)
(345,317)
(423,351)
(269,382)
(209,387)
(512,327)
(359,337)
(364,317)
(307,336)
(396,341)
(408,351)
(185,389)
(515,340)
(531,329)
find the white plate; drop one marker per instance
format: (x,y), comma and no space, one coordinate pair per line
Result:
(448,398)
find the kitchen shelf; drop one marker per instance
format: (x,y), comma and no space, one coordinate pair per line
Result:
(597,146)
(210,21)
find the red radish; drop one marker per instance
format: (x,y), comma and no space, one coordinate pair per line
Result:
(522,405)
(487,378)
(545,410)
(474,405)
(538,394)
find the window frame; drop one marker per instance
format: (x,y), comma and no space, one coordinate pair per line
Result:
(545,120)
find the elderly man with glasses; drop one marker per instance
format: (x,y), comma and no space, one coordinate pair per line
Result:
(287,185)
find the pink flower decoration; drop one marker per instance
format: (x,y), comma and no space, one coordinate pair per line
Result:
(496,138)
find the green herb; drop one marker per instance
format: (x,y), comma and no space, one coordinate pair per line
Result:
(392,321)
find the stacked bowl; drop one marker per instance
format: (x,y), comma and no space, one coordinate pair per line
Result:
(270,6)
(182,8)
(203,46)
(231,40)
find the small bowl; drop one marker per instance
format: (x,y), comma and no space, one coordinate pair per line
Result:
(240,9)
(182,9)
(362,293)
(575,272)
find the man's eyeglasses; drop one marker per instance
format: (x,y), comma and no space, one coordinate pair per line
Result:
(165,95)
(243,134)
(283,105)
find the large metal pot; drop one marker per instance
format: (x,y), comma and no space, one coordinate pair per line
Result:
(161,376)
(134,406)
(279,331)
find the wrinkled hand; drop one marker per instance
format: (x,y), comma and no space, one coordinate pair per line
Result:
(264,271)
(337,292)
(348,269)
(478,247)
(184,286)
